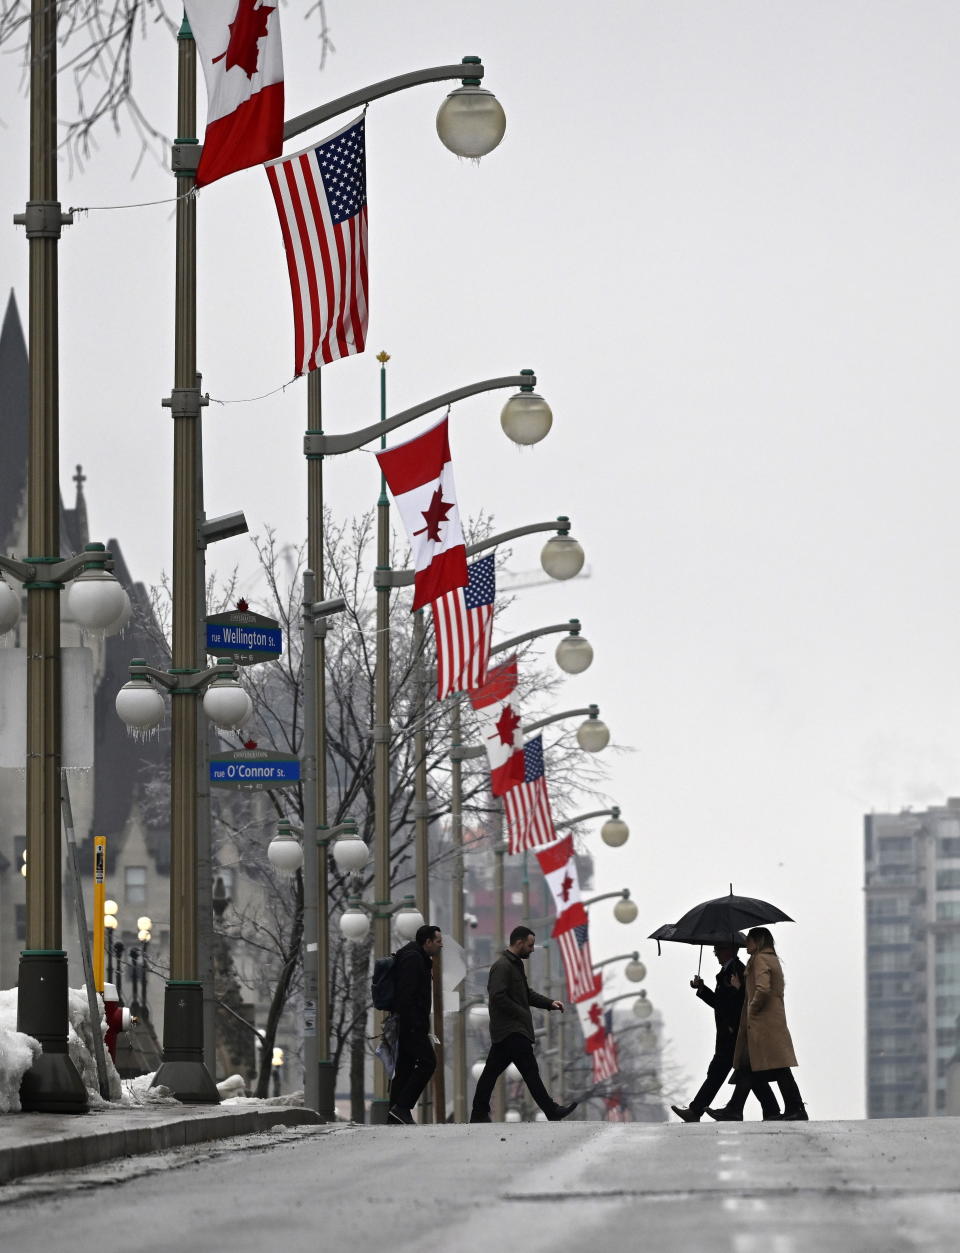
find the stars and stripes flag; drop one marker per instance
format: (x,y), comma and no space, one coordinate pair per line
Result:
(574,948)
(321,197)
(498,720)
(419,473)
(559,866)
(527,805)
(590,1012)
(462,627)
(238,42)
(605,1061)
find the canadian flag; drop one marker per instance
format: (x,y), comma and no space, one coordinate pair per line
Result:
(590,1009)
(239,46)
(560,871)
(500,730)
(419,473)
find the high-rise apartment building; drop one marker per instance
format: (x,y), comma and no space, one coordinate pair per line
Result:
(912,885)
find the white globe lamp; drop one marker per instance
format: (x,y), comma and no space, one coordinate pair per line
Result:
(562,556)
(354,923)
(635,971)
(225,702)
(574,653)
(9,607)
(471,121)
(285,852)
(96,600)
(625,910)
(593,735)
(350,853)
(526,418)
(139,705)
(408,920)
(614,831)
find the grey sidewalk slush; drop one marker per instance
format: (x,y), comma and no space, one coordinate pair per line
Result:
(32,1144)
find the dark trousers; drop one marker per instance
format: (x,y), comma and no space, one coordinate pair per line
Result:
(747,1083)
(720,1066)
(792,1100)
(518,1049)
(416,1062)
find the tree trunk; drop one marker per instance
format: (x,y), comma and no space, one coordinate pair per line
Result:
(280,993)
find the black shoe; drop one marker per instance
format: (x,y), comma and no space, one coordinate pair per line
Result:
(477,1116)
(561,1111)
(795,1115)
(397,1114)
(724,1115)
(688,1115)
(771,1117)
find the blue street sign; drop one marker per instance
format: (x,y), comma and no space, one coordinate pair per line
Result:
(254,768)
(242,640)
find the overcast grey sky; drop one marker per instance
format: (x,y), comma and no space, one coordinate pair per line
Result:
(724,235)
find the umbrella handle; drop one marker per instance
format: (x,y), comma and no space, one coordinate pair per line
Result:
(700,962)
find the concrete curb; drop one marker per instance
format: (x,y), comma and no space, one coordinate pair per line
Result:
(50,1143)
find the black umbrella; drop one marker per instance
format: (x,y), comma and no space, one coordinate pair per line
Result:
(668,932)
(726,915)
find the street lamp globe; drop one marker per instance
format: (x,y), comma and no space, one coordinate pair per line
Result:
(111,907)
(476,1070)
(97,601)
(593,735)
(479,1014)
(471,121)
(407,920)
(110,922)
(539,1116)
(625,910)
(512,1115)
(354,923)
(144,935)
(642,1007)
(574,654)
(635,971)
(562,557)
(350,853)
(284,852)
(512,1074)
(9,607)
(144,923)
(526,418)
(615,831)
(225,702)
(139,705)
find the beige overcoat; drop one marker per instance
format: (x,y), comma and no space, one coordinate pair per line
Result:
(763,1038)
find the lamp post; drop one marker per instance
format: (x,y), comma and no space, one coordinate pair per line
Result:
(624,911)
(592,735)
(52,1084)
(614,831)
(635,970)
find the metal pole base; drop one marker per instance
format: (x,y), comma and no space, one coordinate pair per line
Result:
(378,1112)
(326,1091)
(182,1069)
(52,1085)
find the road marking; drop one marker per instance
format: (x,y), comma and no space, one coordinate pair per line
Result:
(747,1242)
(744,1205)
(729,1157)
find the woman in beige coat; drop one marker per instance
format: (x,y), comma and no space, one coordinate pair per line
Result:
(764,1049)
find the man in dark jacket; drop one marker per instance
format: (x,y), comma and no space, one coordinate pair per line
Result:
(727,1003)
(416,1059)
(511,1029)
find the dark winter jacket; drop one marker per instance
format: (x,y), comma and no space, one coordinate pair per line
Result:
(511,998)
(727,1004)
(414,989)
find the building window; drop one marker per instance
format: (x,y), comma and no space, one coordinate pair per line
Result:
(947,879)
(947,910)
(949,846)
(135,884)
(892,846)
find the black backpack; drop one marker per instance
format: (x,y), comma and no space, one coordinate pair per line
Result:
(383,986)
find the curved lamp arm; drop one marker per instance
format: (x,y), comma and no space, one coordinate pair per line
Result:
(625,996)
(326,834)
(572,627)
(315,443)
(614,812)
(404,578)
(591,711)
(376,91)
(623,894)
(622,957)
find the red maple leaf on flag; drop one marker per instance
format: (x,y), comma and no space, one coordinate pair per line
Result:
(565,887)
(435,514)
(507,724)
(246,31)
(595,1013)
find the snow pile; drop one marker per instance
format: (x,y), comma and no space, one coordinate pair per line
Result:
(17,1052)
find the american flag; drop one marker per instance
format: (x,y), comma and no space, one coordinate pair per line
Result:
(605,1062)
(577,964)
(321,197)
(462,625)
(527,805)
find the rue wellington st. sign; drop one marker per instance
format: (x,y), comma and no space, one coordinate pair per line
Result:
(246,638)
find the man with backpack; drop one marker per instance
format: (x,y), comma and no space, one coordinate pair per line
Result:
(412,998)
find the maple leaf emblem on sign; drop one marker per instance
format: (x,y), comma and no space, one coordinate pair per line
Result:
(434,514)
(507,724)
(595,1013)
(565,887)
(246,31)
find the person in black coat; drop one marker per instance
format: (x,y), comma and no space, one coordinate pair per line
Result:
(413,996)
(727,1004)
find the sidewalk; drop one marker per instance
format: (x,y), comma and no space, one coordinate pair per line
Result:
(33,1144)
